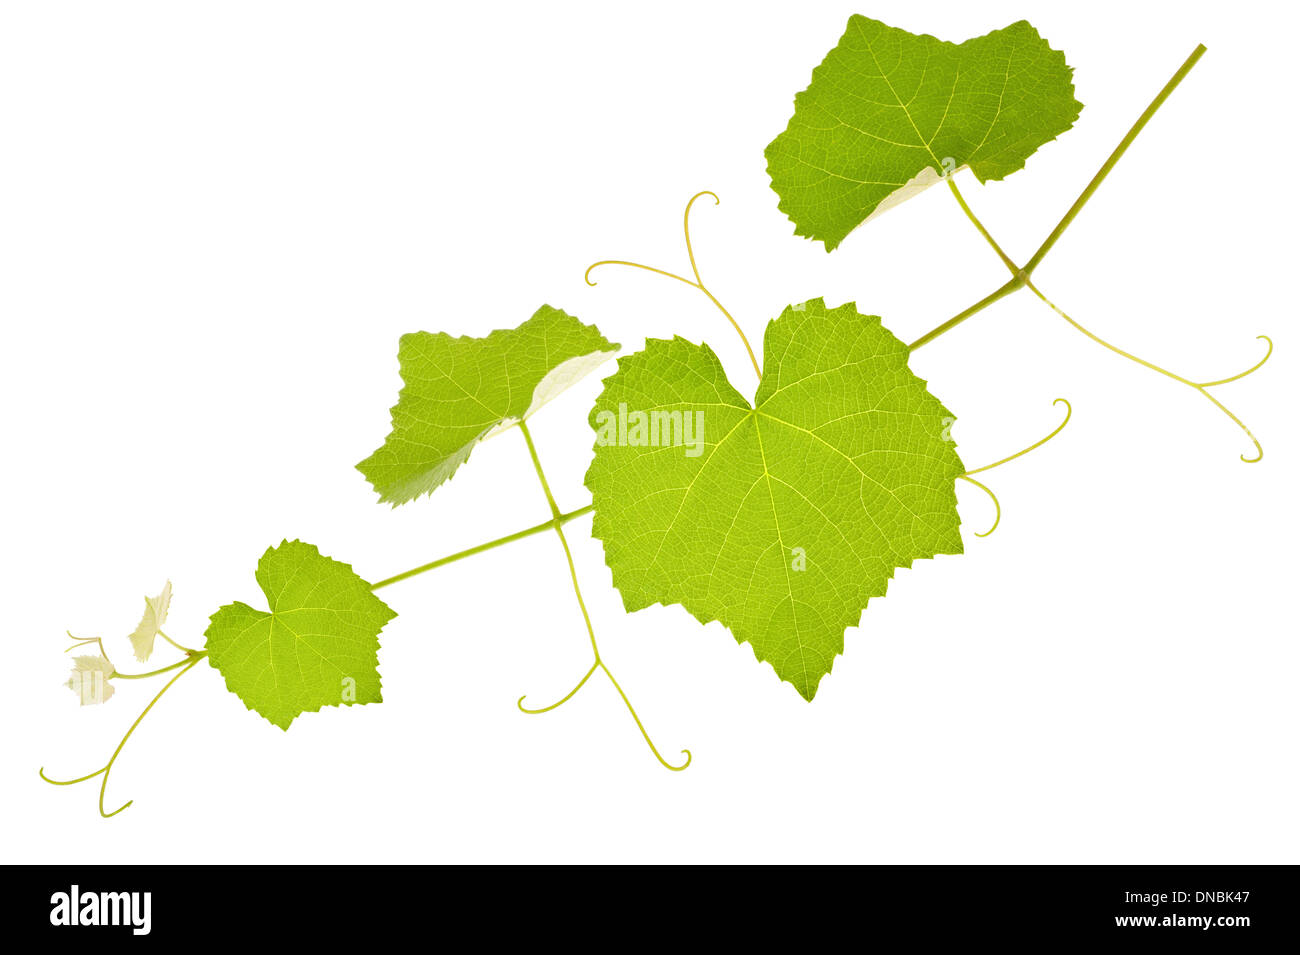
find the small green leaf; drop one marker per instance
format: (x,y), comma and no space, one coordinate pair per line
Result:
(317,646)
(781,519)
(459,391)
(888,113)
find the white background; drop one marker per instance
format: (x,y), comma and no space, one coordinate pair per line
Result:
(217,219)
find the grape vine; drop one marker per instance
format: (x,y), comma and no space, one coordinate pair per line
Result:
(779,515)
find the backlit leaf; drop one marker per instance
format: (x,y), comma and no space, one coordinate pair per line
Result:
(780,519)
(889,112)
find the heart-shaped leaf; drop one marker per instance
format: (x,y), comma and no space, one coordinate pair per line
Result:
(317,645)
(780,519)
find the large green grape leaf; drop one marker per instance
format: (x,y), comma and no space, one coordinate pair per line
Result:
(781,519)
(459,391)
(889,112)
(317,646)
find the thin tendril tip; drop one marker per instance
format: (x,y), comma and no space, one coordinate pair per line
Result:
(1202,387)
(695,283)
(69,782)
(703,192)
(997,517)
(568,696)
(1249,371)
(110,815)
(645,735)
(1069,412)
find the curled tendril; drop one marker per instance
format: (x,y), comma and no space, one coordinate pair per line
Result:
(1037,444)
(565,699)
(686,230)
(1199,386)
(697,282)
(1203,385)
(1249,371)
(997,516)
(107,768)
(600,665)
(997,519)
(1021,276)
(644,735)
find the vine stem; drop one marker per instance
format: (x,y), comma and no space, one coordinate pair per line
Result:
(591,633)
(558,519)
(1021,276)
(1114,157)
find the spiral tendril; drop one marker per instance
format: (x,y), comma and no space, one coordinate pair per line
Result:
(997,519)
(1022,278)
(997,515)
(565,699)
(1201,387)
(697,283)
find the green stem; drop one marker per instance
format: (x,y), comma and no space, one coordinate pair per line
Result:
(1109,164)
(178,646)
(598,663)
(988,236)
(508,539)
(194,656)
(1020,275)
(960,317)
(555,522)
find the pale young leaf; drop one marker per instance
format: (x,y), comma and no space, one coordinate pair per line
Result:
(90,679)
(155,615)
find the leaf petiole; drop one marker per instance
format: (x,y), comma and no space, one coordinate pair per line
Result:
(193,656)
(178,646)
